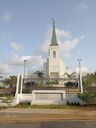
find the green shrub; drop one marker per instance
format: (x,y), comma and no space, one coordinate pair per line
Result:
(52,82)
(88,98)
(7,99)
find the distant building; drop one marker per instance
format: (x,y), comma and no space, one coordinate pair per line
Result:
(54,67)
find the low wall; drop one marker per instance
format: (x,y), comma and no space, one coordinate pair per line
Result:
(26,97)
(48,97)
(41,97)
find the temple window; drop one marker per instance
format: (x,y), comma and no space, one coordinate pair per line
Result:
(54,54)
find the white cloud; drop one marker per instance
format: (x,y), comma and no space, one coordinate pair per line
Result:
(82,7)
(67,45)
(62,33)
(37,60)
(16,60)
(82,37)
(16,46)
(43,51)
(67,55)
(84,70)
(7,17)
(5,69)
(65,40)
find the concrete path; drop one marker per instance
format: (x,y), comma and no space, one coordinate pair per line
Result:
(21,115)
(50,111)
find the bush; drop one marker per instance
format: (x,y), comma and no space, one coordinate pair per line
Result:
(7,99)
(88,98)
(52,82)
(71,84)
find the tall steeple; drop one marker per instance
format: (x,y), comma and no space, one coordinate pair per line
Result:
(54,39)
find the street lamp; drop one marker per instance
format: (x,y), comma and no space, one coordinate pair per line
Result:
(24,67)
(80,77)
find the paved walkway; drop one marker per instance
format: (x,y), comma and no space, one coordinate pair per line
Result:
(48,111)
(22,115)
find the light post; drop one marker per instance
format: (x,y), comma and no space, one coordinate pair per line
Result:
(67,68)
(80,77)
(24,67)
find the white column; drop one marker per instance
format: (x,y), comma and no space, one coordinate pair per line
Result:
(80,77)
(17,85)
(21,84)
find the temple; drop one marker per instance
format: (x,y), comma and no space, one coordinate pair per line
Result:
(54,67)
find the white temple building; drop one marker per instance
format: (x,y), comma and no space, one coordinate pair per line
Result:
(54,67)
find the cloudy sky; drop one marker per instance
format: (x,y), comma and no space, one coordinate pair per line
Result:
(25,33)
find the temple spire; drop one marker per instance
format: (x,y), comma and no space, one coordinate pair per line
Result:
(54,39)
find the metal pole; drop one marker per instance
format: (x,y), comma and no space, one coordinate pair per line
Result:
(24,70)
(79,76)
(24,67)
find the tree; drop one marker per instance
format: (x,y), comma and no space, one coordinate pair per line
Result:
(89,79)
(11,81)
(40,76)
(70,76)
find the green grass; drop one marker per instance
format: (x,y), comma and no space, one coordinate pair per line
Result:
(27,105)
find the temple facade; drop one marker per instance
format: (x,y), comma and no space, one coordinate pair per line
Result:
(54,66)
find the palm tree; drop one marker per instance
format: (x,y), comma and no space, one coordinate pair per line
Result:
(40,76)
(11,81)
(70,76)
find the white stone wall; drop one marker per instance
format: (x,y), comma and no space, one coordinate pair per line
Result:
(48,97)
